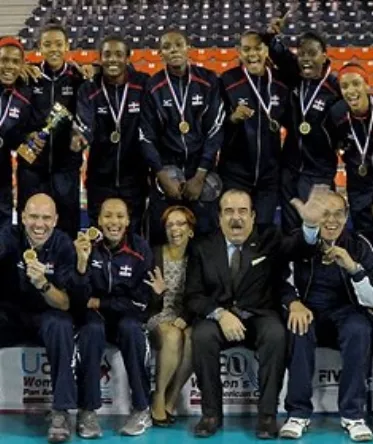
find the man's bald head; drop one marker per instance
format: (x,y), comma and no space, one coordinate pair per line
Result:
(39,218)
(41,200)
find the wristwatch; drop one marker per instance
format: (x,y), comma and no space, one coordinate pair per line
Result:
(46,287)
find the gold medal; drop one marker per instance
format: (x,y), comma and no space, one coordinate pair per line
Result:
(115,137)
(305,128)
(184,127)
(94,234)
(274,125)
(362,170)
(29,255)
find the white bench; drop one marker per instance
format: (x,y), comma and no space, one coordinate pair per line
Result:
(25,382)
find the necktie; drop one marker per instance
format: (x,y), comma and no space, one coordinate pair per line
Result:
(235,262)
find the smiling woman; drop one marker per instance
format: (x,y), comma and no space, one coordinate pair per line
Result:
(11,60)
(170,327)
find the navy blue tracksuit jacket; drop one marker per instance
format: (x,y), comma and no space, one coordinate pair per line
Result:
(56,170)
(115,276)
(162,143)
(114,169)
(12,133)
(335,298)
(306,159)
(251,152)
(26,316)
(359,188)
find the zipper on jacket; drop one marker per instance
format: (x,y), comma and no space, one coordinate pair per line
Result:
(258,141)
(181,134)
(110,284)
(50,156)
(117,182)
(309,279)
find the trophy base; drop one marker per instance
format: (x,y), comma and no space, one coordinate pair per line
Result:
(26,153)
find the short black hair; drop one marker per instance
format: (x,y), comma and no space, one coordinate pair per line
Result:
(175,31)
(53,25)
(309,35)
(114,38)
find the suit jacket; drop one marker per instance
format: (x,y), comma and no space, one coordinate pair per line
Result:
(156,304)
(208,280)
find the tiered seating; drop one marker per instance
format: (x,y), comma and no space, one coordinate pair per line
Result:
(207,22)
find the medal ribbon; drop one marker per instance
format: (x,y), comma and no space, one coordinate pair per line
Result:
(6,110)
(362,150)
(59,75)
(267,109)
(116,117)
(180,108)
(305,108)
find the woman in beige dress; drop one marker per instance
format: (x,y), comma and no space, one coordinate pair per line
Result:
(170,327)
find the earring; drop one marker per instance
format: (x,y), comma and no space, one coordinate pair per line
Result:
(191,234)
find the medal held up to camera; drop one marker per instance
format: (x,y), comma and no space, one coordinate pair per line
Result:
(57,116)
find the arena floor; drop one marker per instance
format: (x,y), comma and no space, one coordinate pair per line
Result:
(27,429)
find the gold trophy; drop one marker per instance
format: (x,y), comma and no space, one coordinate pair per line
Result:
(29,255)
(58,114)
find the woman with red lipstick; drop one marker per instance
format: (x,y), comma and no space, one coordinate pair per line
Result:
(349,127)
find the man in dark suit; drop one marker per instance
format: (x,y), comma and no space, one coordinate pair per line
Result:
(236,303)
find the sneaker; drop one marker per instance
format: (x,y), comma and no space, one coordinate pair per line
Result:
(357,429)
(60,428)
(87,425)
(294,428)
(137,423)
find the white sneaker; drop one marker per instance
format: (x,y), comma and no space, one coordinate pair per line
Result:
(294,428)
(137,423)
(357,429)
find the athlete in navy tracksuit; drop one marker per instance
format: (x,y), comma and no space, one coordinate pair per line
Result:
(115,167)
(36,307)
(250,156)
(57,169)
(308,158)
(111,278)
(180,125)
(324,298)
(14,114)
(349,126)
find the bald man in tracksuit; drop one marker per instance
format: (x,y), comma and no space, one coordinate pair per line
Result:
(57,169)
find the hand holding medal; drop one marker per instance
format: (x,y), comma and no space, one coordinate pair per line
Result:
(29,256)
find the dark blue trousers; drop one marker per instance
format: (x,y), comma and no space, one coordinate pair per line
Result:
(361,201)
(294,184)
(353,332)
(205,212)
(129,336)
(54,330)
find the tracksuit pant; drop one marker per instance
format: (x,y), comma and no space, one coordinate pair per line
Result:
(54,330)
(131,339)
(353,331)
